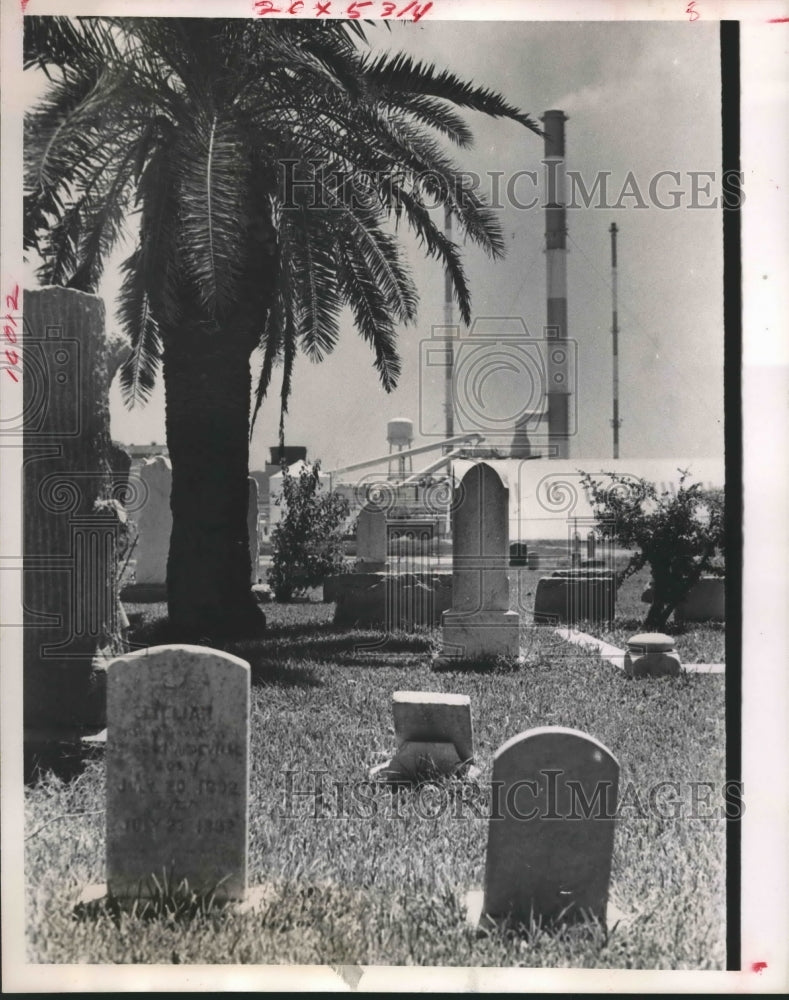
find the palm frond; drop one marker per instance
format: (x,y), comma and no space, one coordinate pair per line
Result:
(436,114)
(308,247)
(139,370)
(212,185)
(400,73)
(104,213)
(371,313)
(288,359)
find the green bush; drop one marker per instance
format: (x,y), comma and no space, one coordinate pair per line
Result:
(307,544)
(678,535)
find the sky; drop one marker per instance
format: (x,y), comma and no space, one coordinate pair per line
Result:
(641,97)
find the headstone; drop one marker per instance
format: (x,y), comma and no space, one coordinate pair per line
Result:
(252,529)
(651,654)
(480,624)
(70,545)
(155,522)
(434,735)
(177,771)
(371,540)
(551,832)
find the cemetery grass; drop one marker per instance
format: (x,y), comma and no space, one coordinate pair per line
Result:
(355,875)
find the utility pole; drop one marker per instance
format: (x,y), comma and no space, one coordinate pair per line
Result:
(616,422)
(449,402)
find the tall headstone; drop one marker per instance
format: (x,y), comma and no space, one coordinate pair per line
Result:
(177,771)
(551,832)
(69,543)
(480,624)
(371,540)
(252,529)
(155,522)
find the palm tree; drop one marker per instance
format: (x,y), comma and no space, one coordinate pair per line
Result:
(262,164)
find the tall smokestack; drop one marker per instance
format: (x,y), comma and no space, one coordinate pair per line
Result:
(556,254)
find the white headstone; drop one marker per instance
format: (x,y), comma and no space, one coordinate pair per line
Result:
(551,832)
(480,624)
(154,522)
(177,771)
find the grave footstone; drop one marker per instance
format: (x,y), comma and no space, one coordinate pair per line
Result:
(480,624)
(177,771)
(551,832)
(433,732)
(651,654)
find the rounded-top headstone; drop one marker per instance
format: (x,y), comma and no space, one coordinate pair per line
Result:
(551,832)
(651,642)
(177,770)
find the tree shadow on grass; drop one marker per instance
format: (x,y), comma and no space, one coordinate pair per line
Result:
(277,656)
(340,645)
(265,672)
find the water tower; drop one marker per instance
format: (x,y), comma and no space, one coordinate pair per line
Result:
(400,435)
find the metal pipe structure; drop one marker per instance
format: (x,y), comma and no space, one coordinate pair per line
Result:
(616,422)
(470,439)
(558,389)
(434,466)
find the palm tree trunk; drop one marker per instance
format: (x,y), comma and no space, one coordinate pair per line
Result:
(207,384)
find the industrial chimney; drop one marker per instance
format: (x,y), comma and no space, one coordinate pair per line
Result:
(557,367)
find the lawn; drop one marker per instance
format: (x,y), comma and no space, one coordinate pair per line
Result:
(377,878)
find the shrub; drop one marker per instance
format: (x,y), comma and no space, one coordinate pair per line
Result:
(678,535)
(307,544)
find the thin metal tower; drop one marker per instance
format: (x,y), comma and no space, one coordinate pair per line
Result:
(616,422)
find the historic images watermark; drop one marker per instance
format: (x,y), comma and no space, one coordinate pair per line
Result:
(317,184)
(501,377)
(315,795)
